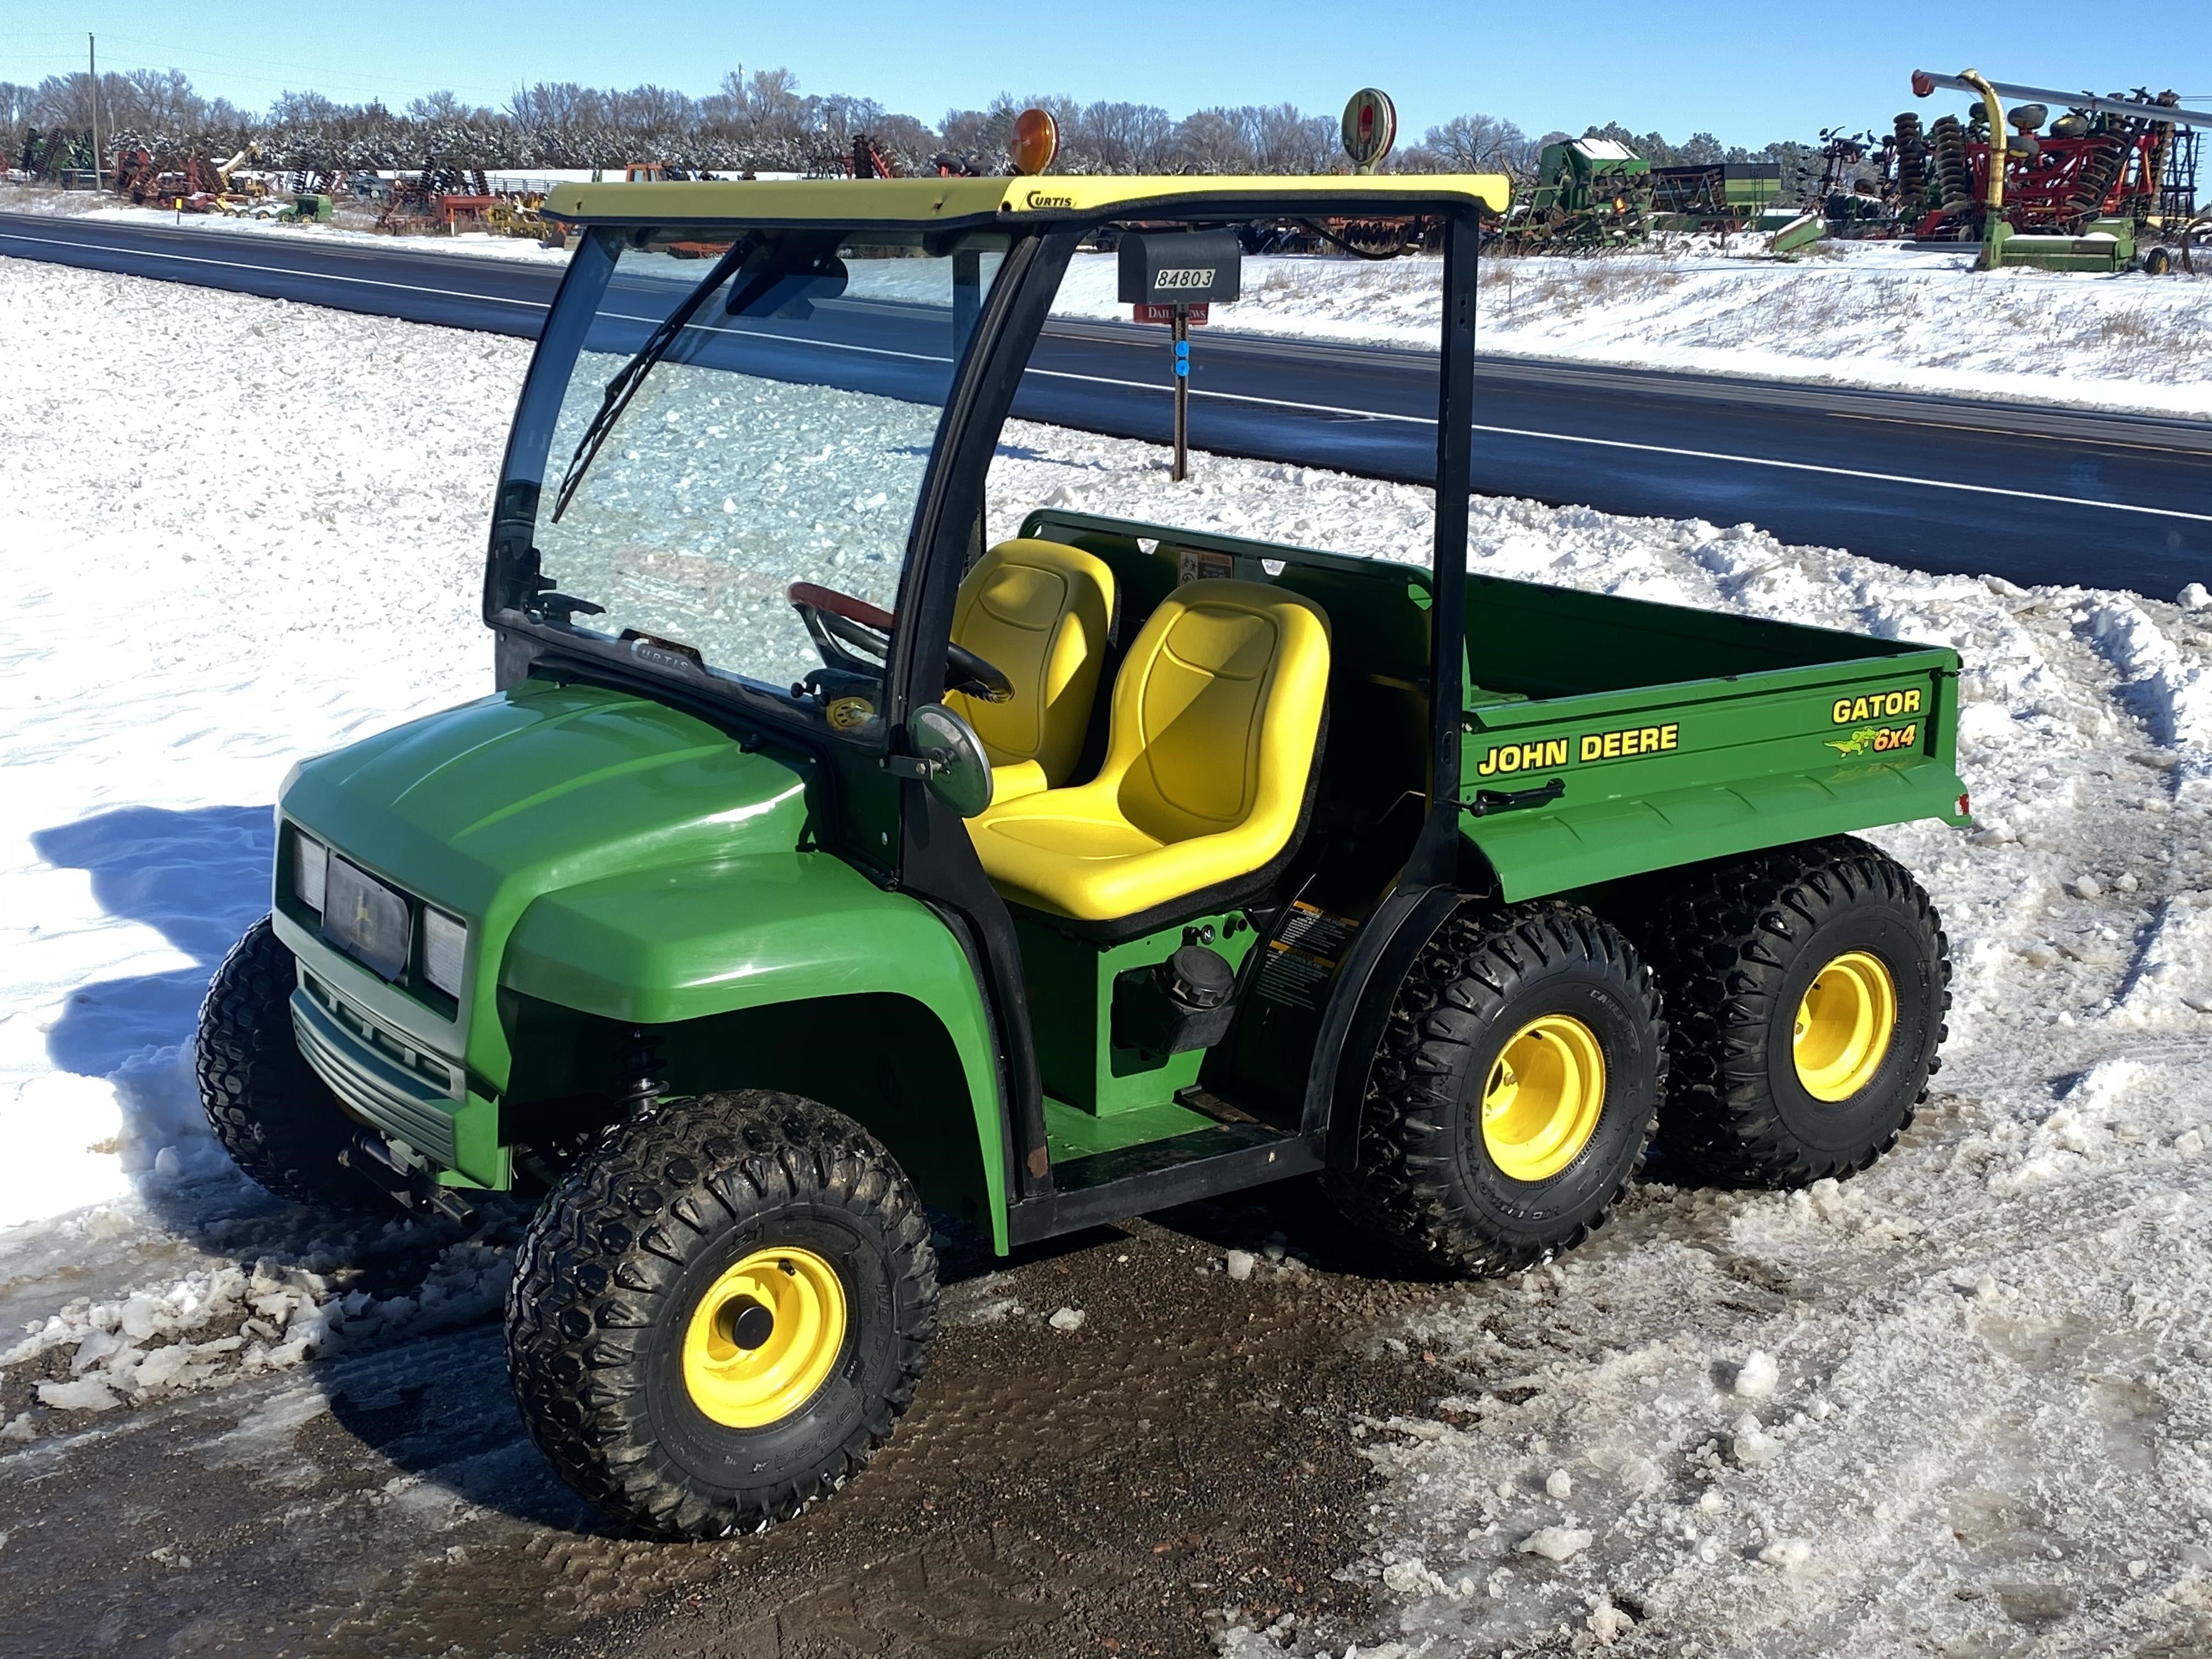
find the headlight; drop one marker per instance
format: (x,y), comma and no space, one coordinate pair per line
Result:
(311,863)
(445,944)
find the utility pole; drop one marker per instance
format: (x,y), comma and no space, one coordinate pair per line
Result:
(92,69)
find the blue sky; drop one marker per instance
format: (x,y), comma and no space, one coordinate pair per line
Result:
(1677,67)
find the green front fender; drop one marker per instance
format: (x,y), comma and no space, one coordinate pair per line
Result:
(679,943)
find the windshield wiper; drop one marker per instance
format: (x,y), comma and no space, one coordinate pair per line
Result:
(627,379)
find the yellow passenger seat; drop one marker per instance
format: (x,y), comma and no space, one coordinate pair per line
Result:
(1216,713)
(1038,612)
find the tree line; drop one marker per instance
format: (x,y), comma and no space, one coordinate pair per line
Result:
(760,121)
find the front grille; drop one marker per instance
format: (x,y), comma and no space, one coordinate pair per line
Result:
(380,1075)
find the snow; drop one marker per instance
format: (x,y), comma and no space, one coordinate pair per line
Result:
(1556,1543)
(1756,1378)
(1957,1403)
(471,243)
(211,577)
(1880,314)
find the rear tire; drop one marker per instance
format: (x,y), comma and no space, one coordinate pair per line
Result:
(278,1121)
(1738,944)
(633,1373)
(1444,1172)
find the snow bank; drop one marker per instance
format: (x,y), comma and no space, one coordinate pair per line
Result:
(1964,1394)
(1870,314)
(213,1327)
(78,204)
(209,575)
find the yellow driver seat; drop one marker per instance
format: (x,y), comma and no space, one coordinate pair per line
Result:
(1216,715)
(1039,613)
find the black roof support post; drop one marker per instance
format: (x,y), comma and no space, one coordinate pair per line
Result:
(1436,859)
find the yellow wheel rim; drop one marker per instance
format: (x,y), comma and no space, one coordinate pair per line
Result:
(1541,1101)
(764,1338)
(1844,1026)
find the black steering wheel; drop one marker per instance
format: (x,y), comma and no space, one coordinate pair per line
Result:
(854,636)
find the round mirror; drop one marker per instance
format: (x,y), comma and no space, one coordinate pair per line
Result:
(959,771)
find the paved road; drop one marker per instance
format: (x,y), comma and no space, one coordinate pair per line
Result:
(2036,494)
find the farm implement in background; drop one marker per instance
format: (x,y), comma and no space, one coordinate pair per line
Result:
(1587,193)
(2096,191)
(1596,193)
(194,183)
(2107,184)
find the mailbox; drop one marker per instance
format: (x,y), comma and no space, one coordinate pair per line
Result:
(1180,268)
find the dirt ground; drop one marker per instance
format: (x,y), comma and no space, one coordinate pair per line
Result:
(1184,1457)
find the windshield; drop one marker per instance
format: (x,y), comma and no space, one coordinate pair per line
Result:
(748,422)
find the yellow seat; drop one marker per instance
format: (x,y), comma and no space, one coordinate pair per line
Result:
(1216,714)
(1038,612)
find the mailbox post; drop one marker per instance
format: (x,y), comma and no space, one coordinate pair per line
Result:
(1178,272)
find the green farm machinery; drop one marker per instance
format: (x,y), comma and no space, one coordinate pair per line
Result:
(1593,193)
(1587,193)
(1717,196)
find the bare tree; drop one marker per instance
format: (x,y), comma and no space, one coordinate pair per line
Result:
(301,109)
(159,98)
(754,120)
(1282,139)
(1478,144)
(447,106)
(1121,137)
(961,130)
(64,100)
(1212,141)
(839,118)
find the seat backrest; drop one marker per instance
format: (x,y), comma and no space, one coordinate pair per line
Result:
(1038,612)
(1216,710)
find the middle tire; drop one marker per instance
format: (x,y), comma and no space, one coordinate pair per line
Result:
(1513,1091)
(720,1312)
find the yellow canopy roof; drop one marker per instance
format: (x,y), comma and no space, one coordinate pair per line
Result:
(1012,200)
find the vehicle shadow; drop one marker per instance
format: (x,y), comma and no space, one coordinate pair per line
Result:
(198,878)
(438,1408)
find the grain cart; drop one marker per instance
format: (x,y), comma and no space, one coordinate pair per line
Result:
(817,857)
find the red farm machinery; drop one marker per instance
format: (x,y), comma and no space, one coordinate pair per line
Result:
(2107,186)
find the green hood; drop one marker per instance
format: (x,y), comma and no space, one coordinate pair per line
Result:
(483,808)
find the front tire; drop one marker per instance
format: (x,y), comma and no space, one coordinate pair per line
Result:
(279,1121)
(720,1313)
(1513,1091)
(1808,986)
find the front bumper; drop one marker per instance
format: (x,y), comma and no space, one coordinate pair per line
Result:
(395,1085)
(380,1075)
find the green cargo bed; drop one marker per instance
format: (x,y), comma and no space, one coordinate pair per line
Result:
(1603,737)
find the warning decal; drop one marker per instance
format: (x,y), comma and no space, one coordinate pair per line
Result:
(1304,956)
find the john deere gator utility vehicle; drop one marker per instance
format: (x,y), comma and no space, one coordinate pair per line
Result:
(818,858)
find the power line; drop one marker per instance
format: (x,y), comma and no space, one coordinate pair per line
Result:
(268,63)
(323,79)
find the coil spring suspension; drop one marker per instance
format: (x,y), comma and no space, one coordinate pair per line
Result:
(643,1083)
